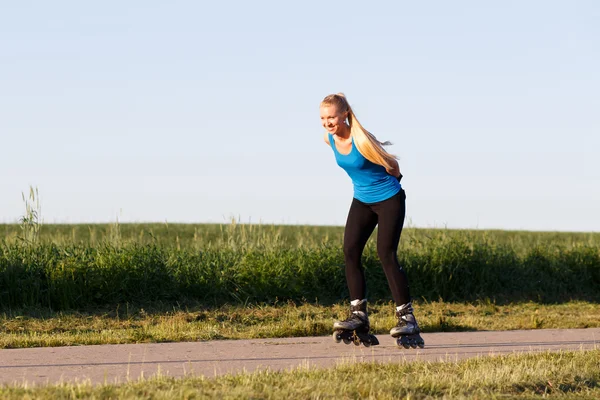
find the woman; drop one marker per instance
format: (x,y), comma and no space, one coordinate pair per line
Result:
(378,200)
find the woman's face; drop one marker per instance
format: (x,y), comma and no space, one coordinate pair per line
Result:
(331,119)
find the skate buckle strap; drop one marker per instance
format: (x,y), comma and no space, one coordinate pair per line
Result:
(362,306)
(405,310)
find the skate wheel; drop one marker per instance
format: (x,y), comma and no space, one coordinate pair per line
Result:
(336,337)
(402,342)
(356,342)
(419,341)
(346,340)
(366,344)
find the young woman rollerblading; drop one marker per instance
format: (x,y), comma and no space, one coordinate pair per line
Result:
(379,200)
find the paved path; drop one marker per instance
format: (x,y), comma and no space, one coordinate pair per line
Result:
(120,363)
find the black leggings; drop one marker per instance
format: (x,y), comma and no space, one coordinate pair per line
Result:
(362,219)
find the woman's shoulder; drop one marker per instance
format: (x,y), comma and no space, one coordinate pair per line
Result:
(326,138)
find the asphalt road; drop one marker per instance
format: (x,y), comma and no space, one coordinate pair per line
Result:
(122,363)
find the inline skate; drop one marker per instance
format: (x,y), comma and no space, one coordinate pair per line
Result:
(407,330)
(355,328)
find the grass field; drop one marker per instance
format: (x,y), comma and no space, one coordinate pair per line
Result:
(114,283)
(566,375)
(77,267)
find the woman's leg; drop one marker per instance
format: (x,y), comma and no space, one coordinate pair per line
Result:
(391,214)
(359,226)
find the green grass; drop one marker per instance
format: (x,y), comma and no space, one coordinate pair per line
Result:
(129,324)
(566,375)
(77,267)
(75,276)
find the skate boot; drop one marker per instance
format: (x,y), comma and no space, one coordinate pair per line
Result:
(407,330)
(355,328)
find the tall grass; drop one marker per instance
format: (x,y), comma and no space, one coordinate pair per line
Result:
(31,222)
(79,266)
(448,267)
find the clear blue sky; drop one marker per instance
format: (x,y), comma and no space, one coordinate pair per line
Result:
(190,111)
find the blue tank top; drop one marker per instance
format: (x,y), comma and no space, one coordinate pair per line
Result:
(371,181)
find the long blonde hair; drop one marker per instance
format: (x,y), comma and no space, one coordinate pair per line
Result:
(366,143)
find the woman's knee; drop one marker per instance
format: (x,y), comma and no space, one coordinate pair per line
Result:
(351,252)
(387,256)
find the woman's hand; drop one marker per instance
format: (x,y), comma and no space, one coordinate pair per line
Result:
(395,171)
